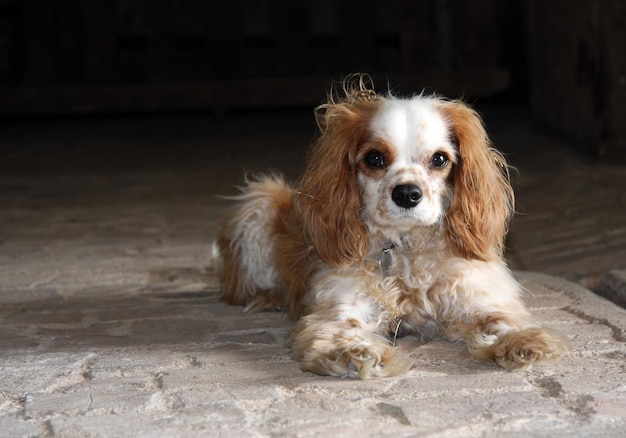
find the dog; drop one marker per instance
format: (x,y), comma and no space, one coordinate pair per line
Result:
(396,228)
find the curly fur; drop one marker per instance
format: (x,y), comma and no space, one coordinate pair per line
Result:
(355,262)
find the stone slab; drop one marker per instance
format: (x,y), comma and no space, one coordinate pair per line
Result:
(613,287)
(121,366)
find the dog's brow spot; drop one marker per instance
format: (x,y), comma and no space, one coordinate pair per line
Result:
(353,322)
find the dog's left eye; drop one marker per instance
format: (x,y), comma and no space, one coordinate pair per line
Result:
(438,160)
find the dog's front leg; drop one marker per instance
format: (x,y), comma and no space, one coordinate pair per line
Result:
(345,332)
(490,316)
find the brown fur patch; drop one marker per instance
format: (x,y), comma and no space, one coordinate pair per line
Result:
(329,205)
(482,200)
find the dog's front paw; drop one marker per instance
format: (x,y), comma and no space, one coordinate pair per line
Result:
(373,361)
(345,348)
(361,363)
(356,361)
(519,349)
(364,364)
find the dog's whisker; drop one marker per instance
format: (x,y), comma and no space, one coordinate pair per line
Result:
(395,333)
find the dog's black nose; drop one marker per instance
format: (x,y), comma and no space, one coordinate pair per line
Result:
(406,195)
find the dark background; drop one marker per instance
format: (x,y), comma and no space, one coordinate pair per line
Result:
(565,59)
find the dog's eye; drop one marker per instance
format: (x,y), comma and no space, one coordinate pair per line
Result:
(375,159)
(438,160)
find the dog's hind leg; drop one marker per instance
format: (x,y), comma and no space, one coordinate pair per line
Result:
(246,245)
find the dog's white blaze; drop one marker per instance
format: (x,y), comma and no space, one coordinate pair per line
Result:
(414,128)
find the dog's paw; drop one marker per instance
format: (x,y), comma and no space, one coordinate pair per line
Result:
(357,362)
(520,349)
(360,363)
(365,364)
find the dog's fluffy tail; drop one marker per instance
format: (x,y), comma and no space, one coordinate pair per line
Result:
(244,251)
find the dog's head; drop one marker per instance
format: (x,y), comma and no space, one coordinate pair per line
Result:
(394,164)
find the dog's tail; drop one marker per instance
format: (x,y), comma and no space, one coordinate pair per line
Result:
(244,251)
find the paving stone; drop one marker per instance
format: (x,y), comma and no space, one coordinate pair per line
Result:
(440,413)
(543,300)
(613,287)
(226,380)
(556,318)
(169,330)
(17,427)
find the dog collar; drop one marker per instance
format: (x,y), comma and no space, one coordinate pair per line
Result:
(385,258)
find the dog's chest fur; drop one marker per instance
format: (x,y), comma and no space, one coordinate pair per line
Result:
(406,269)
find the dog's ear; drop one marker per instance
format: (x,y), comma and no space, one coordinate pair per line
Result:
(328,200)
(482,200)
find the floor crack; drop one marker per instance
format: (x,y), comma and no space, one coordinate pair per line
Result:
(616,332)
(549,387)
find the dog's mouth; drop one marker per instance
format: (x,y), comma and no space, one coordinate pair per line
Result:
(422,214)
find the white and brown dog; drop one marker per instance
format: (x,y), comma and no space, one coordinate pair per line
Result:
(396,227)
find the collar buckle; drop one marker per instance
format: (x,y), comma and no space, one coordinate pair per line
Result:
(385,259)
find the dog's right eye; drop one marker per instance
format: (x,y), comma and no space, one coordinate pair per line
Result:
(375,159)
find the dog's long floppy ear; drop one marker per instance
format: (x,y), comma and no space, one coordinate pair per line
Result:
(482,199)
(328,199)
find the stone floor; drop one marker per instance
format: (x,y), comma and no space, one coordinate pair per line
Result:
(110,323)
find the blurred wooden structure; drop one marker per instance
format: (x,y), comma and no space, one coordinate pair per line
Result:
(111,56)
(138,55)
(577,71)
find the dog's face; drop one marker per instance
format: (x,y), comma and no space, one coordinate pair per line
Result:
(404,165)
(386,164)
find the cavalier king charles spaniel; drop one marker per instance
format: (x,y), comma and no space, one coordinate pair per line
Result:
(396,228)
